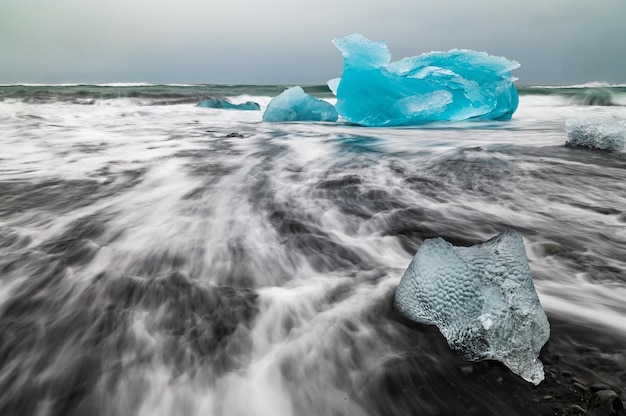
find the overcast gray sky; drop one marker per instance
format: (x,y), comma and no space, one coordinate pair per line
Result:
(289,42)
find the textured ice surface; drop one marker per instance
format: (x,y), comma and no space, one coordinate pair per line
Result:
(227,105)
(454,85)
(296,105)
(481,298)
(596,133)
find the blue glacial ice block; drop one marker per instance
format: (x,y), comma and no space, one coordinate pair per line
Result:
(296,105)
(227,105)
(454,85)
(481,298)
(596,133)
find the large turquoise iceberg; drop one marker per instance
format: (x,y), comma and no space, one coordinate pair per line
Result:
(481,298)
(454,85)
(296,105)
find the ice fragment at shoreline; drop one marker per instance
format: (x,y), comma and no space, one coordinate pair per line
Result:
(596,133)
(227,105)
(481,298)
(454,85)
(296,105)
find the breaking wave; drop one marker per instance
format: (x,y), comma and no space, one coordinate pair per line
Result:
(595,94)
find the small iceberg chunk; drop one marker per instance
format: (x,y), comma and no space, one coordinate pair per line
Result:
(227,105)
(596,133)
(481,298)
(296,105)
(454,85)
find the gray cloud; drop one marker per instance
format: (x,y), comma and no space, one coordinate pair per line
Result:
(279,41)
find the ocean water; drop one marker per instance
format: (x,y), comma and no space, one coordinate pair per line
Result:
(157,258)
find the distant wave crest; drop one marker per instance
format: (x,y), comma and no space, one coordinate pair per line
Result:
(598,94)
(141,93)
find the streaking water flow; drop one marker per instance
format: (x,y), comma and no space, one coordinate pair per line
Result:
(154,263)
